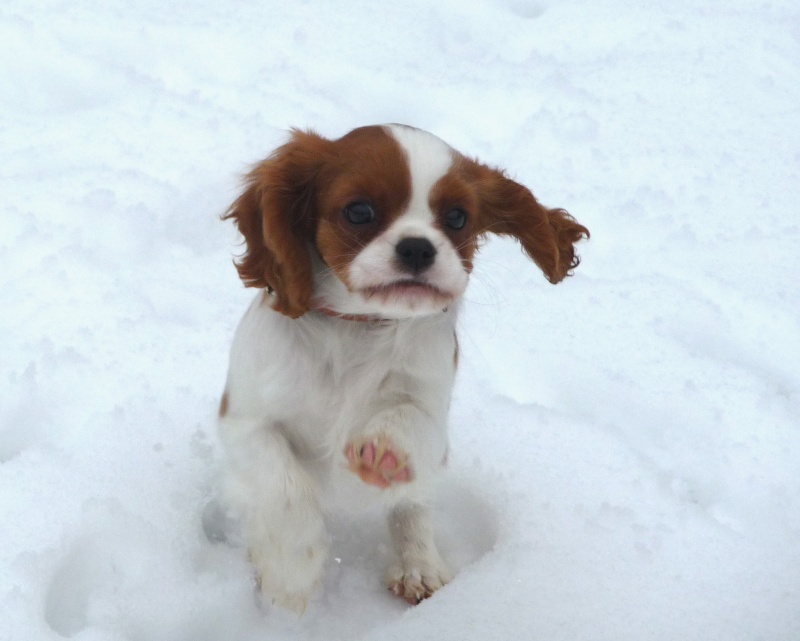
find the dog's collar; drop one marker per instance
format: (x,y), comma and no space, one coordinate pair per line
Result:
(319,306)
(359,318)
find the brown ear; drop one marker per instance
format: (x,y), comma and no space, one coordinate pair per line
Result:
(275,214)
(547,235)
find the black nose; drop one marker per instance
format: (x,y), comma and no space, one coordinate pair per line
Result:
(415,254)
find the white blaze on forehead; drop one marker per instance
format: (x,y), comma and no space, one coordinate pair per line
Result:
(429,158)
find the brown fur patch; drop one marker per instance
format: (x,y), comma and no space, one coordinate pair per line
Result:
(453,190)
(370,166)
(508,208)
(223,405)
(276,216)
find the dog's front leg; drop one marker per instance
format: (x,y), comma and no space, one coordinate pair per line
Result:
(281,517)
(401,444)
(401,448)
(418,570)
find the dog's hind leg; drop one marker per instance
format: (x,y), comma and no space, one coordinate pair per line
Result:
(281,518)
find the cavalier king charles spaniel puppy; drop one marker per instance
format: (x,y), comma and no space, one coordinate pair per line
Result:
(342,368)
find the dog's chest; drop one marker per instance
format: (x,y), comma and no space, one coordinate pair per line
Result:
(351,373)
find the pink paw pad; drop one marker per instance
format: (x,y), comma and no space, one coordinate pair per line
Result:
(377,462)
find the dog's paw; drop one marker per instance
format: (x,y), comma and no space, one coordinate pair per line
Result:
(288,582)
(417,581)
(289,566)
(378,462)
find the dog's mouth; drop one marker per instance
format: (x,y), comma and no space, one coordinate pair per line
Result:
(409,291)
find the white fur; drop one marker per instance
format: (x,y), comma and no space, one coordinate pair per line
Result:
(299,391)
(429,158)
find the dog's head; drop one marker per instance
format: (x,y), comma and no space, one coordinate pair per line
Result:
(392,214)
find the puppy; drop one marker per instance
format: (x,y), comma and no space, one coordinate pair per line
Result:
(342,368)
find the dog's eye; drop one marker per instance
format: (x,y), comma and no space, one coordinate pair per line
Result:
(359,213)
(456,218)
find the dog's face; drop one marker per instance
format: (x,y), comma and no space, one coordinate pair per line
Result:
(393,212)
(390,227)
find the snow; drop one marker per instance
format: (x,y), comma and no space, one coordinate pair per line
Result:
(625,446)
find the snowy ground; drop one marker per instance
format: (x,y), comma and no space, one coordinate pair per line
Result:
(625,446)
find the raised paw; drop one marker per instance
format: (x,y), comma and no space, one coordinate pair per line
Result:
(378,462)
